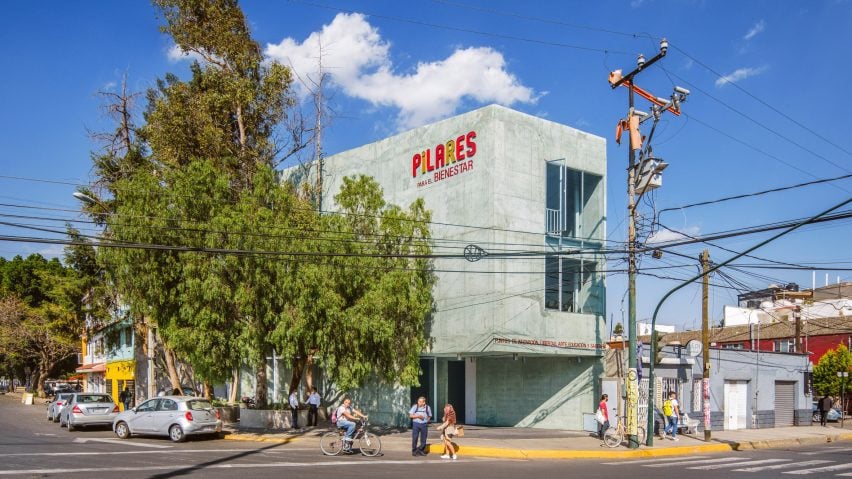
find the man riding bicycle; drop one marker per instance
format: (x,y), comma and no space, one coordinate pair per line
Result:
(346,417)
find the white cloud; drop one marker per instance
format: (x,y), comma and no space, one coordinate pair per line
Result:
(665,236)
(52,251)
(755,30)
(739,74)
(636,3)
(175,54)
(357,60)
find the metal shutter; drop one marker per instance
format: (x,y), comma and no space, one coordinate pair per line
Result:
(785,396)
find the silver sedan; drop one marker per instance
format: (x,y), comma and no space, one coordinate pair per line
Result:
(88,409)
(174,416)
(55,407)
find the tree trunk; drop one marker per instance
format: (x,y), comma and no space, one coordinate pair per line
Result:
(309,372)
(235,386)
(174,379)
(208,390)
(260,395)
(296,378)
(43,372)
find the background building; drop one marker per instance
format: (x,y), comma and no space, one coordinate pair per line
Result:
(514,340)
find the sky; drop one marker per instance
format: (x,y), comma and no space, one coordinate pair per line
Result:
(767,108)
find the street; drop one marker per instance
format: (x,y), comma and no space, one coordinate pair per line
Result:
(31,446)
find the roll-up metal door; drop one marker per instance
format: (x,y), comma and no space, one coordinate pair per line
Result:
(785,400)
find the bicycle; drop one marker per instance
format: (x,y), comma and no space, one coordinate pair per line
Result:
(332,443)
(615,435)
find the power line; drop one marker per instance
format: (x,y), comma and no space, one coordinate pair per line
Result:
(757,193)
(466,30)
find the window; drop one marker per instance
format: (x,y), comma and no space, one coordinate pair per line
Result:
(168,405)
(573,285)
(732,346)
(148,405)
(785,346)
(574,203)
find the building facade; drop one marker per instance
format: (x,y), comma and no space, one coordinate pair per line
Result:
(516,338)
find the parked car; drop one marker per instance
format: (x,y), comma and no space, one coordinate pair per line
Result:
(60,388)
(833,415)
(88,409)
(54,407)
(174,416)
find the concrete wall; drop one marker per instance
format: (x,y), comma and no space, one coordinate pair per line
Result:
(499,201)
(545,392)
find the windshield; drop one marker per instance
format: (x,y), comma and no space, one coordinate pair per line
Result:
(89,398)
(198,405)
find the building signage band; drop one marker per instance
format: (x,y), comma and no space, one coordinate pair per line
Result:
(445,160)
(549,343)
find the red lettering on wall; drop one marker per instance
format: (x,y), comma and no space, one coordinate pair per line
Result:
(439,156)
(471,146)
(429,165)
(460,148)
(415,163)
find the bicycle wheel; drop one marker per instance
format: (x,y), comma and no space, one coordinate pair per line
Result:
(331,443)
(613,437)
(370,444)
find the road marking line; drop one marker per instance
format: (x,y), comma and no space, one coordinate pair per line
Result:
(826,450)
(747,463)
(121,442)
(838,467)
(783,466)
(648,461)
(193,467)
(703,461)
(118,453)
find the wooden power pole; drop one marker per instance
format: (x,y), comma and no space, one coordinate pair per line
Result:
(705,339)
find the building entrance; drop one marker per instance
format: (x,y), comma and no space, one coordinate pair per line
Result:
(456,389)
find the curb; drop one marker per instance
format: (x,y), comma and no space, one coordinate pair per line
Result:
(800,441)
(258,438)
(582,454)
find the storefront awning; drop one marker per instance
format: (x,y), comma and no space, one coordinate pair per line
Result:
(92,368)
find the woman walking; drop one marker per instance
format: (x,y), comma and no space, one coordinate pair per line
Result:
(602,407)
(448,430)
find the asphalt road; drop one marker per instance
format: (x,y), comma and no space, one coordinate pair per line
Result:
(31,446)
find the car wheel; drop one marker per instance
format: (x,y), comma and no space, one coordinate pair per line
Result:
(122,431)
(176,434)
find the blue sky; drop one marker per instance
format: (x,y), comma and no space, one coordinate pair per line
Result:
(396,65)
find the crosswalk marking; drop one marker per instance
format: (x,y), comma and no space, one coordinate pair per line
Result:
(836,467)
(747,463)
(645,461)
(782,466)
(705,461)
(826,450)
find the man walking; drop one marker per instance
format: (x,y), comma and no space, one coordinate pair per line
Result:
(294,408)
(671,409)
(420,415)
(126,397)
(314,401)
(824,405)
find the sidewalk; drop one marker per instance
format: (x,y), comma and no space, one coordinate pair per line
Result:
(525,443)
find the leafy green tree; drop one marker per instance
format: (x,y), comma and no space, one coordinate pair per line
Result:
(833,361)
(40,315)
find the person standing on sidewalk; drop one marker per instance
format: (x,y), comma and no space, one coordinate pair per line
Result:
(448,430)
(294,408)
(420,415)
(824,405)
(314,401)
(603,426)
(671,410)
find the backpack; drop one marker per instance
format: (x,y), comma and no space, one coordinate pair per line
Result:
(668,410)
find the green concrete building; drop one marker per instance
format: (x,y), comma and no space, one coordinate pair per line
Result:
(516,338)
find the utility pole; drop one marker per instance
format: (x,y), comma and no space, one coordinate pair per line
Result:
(705,339)
(632,124)
(797,314)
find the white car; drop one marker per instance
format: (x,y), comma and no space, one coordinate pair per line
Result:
(88,409)
(55,407)
(174,416)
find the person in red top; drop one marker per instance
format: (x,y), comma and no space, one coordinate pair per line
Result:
(602,427)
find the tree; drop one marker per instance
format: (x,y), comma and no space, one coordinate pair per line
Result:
(833,361)
(40,315)
(618,330)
